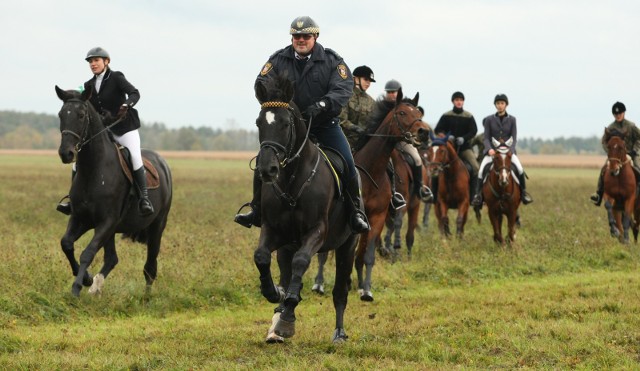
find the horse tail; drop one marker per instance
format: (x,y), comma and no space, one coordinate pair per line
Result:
(478,212)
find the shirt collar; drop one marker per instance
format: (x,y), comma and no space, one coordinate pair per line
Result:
(300,57)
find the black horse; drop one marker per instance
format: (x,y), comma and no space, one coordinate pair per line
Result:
(303,212)
(101,197)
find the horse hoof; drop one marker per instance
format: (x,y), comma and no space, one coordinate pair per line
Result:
(339,336)
(365,295)
(75,290)
(284,328)
(87,281)
(318,288)
(98,283)
(272,338)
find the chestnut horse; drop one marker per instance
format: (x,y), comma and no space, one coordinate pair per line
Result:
(501,193)
(453,184)
(620,184)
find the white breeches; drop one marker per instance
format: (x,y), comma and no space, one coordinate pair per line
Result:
(131,140)
(405,147)
(514,160)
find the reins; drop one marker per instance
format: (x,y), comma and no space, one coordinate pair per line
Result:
(85,128)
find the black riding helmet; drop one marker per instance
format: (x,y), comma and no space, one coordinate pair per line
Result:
(457,95)
(392,85)
(501,97)
(304,25)
(364,71)
(618,107)
(97,52)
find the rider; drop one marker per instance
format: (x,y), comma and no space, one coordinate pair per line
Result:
(631,140)
(113,95)
(500,125)
(461,128)
(323,86)
(391,89)
(353,117)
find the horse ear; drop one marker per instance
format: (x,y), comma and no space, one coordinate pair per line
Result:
(261,91)
(63,95)
(415,99)
(399,97)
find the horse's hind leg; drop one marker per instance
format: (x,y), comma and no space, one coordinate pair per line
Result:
(369,261)
(344,265)
(110,261)
(318,285)
(154,239)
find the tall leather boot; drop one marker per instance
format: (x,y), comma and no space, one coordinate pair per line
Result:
(140,180)
(421,190)
(524,196)
(65,206)
(434,190)
(477,196)
(359,222)
(596,198)
(253,217)
(397,200)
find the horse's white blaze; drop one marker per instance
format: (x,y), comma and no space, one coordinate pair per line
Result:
(434,149)
(270,117)
(98,283)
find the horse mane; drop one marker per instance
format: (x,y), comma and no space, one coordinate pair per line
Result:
(380,111)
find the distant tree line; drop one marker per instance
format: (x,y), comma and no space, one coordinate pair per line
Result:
(19,130)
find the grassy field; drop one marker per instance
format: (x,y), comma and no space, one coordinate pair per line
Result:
(566,295)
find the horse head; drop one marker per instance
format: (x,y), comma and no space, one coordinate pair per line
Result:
(281,130)
(616,151)
(441,155)
(75,116)
(502,160)
(407,117)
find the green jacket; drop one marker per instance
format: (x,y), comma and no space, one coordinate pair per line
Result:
(631,139)
(356,113)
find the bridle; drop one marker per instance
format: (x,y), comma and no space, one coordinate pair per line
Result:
(500,151)
(440,166)
(621,162)
(283,152)
(82,138)
(406,135)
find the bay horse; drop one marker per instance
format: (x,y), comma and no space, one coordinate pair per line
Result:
(101,197)
(389,123)
(303,211)
(501,192)
(453,184)
(620,184)
(404,185)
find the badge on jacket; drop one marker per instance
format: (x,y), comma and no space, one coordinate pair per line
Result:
(342,71)
(266,68)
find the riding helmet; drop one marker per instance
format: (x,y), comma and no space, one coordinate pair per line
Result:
(304,25)
(457,95)
(364,71)
(96,52)
(392,85)
(618,107)
(501,97)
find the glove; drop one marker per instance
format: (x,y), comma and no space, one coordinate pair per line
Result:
(459,141)
(314,109)
(451,138)
(122,112)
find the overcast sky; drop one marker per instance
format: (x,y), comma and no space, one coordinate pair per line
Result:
(562,63)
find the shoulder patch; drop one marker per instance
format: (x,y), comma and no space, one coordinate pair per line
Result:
(342,71)
(266,68)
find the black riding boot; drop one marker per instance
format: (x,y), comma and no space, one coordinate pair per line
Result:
(434,190)
(140,180)
(253,217)
(397,201)
(477,196)
(421,190)
(596,198)
(65,206)
(524,196)
(359,222)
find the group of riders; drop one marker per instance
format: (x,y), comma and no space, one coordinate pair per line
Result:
(336,104)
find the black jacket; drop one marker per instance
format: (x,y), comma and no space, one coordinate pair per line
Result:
(115,91)
(459,125)
(325,76)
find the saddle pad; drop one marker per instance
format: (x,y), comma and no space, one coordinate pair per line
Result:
(153,179)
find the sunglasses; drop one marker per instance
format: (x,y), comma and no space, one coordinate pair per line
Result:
(302,36)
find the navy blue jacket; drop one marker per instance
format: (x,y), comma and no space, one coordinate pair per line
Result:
(504,128)
(115,91)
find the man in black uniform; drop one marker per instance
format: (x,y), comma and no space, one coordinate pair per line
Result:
(323,85)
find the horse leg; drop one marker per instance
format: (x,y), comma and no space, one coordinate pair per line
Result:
(461,220)
(425,215)
(110,261)
(411,227)
(344,265)
(397,226)
(86,258)
(369,261)
(262,260)
(496,223)
(511,224)
(154,240)
(74,231)
(386,248)
(613,230)
(445,222)
(617,214)
(318,285)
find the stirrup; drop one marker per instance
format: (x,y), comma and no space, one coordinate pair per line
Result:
(477,200)
(64,207)
(526,198)
(245,220)
(400,201)
(145,207)
(425,194)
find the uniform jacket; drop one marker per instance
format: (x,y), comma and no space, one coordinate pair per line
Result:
(499,129)
(631,139)
(115,91)
(356,113)
(325,77)
(459,125)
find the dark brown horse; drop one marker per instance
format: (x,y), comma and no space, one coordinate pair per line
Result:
(100,194)
(404,185)
(501,193)
(389,123)
(303,210)
(453,184)
(620,184)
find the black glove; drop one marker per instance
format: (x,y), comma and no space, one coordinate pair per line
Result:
(315,109)
(122,112)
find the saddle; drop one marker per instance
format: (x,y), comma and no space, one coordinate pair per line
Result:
(337,164)
(153,179)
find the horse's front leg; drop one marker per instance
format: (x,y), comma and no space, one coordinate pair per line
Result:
(511,224)
(461,220)
(318,285)
(110,261)
(101,236)
(74,231)
(310,244)
(496,222)
(344,265)
(617,215)
(262,260)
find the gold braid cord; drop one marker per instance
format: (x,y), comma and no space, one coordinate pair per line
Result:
(274,105)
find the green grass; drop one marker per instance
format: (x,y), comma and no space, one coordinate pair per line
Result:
(565,295)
